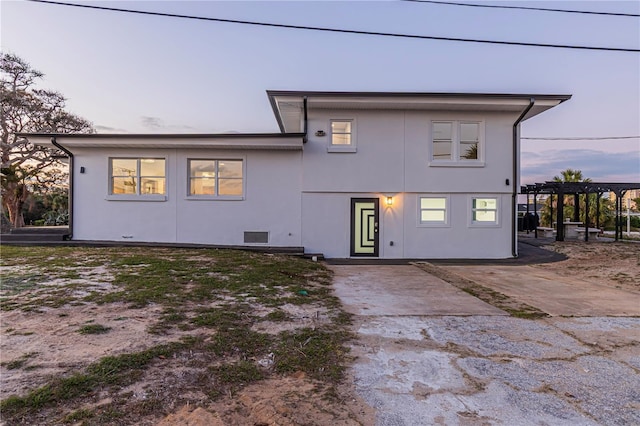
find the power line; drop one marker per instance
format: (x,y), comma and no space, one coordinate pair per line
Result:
(543,9)
(576,138)
(337,30)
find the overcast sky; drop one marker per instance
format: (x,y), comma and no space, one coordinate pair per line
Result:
(146,74)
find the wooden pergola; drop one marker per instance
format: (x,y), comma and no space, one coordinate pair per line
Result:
(576,189)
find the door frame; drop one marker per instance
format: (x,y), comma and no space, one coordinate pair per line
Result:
(376,232)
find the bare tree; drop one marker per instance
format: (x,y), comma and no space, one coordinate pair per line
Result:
(23,109)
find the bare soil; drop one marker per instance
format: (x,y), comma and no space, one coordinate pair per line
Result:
(616,264)
(42,326)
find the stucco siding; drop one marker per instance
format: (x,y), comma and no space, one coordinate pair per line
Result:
(327,227)
(271,200)
(393,154)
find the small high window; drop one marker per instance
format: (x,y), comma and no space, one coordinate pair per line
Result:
(216,178)
(137,176)
(342,136)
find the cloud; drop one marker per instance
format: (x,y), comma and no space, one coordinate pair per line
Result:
(152,122)
(108,129)
(599,166)
(157,124)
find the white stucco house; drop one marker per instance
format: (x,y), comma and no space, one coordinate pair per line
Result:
(364,174)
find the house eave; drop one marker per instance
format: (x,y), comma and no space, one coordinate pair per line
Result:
(231,141)
(287,105)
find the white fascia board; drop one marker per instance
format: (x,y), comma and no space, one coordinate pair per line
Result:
(122,141)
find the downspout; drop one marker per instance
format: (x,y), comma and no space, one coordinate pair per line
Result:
(304,106)
(69,236)
(514,196)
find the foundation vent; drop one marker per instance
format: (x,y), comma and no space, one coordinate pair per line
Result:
(256,237)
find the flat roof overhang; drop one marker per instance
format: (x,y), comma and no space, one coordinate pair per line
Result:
(238,141)
(288,106)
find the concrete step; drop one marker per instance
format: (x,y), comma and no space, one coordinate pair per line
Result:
(31,237)
(37,230)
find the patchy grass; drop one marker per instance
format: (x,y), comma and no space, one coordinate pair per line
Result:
(208,300)
(318,353)
(111,370)
(93,329)
(228,378)
(19,362)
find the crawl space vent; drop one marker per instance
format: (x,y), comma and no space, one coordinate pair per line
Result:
(256,237)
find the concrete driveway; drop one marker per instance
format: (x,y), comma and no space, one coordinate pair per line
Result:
(429,353)
(402,290)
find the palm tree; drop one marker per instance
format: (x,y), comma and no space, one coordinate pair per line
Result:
(570,175)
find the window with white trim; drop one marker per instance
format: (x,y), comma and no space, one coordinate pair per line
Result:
(433,210)
(484,211)
(219,178)
(342,138)
(137,176)
(456,141)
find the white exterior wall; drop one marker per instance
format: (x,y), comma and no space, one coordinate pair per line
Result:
(271,200)
(304,198)
(392,159)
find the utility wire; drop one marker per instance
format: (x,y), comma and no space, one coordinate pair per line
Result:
(543,9)
(337,30)
(576,138)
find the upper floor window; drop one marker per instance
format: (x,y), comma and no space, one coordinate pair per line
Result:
(137,176)
(434,210)
(342,136)
(456,141)
(216,178)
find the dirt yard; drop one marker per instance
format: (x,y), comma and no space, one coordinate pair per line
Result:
(609,263)
(82,343)
(150,336)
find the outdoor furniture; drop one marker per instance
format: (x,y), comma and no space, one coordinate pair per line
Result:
(547,232)
(593,232)
(571,229)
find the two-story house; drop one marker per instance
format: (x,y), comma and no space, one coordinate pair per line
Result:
(364,174)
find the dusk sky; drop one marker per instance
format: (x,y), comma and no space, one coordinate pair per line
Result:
(151,74)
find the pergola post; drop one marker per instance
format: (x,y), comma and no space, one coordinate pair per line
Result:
(598,195)
(618,214)
(551,210)
(559,216)
(525,223)
(576,207)
(535,213)
(586,216)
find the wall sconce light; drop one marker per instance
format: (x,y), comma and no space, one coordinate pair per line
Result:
(389,201)
(320,133)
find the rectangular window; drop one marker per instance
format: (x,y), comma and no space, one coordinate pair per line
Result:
(433,210)
(216,178)
(138,176)
(469,139)
(340,132)
(484,211)
(342,138)
(456,141)
(442,141)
